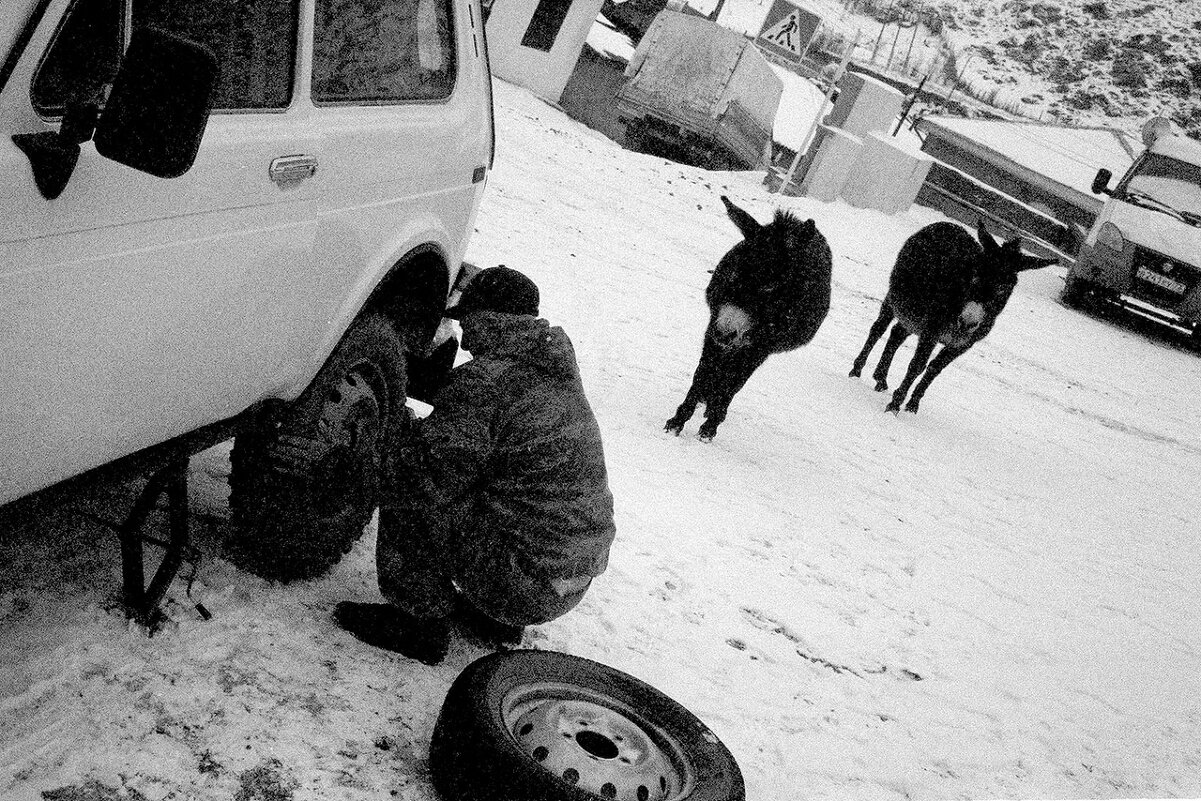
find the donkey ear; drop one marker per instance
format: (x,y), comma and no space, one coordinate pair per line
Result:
(745,222)
(986,241)
(1034,263)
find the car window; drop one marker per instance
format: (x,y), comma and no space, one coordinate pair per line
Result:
(383,51)
(255,44)
(1170,181)
(82,58)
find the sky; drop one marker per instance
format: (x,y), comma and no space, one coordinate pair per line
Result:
(996,597)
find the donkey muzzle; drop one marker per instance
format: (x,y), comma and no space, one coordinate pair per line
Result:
(969,319)
(730,328)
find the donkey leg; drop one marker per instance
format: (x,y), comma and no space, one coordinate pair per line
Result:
(698,390)
(725,386)
(675,423)
(917,364)
(944,357)
(897,336)
(714,417)
(873,336)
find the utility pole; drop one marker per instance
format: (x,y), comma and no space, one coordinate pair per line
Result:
(909,105)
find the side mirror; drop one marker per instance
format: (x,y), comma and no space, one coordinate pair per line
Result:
(54,154)
(159,105)
(1101,182)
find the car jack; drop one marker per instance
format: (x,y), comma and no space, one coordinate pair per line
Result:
(141,600)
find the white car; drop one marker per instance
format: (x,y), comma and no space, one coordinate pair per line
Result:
(231,218)
(1144,250)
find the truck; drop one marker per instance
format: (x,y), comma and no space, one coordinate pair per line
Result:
(1144,249)
(698,93)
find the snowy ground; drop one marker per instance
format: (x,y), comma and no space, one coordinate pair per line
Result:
(995,598)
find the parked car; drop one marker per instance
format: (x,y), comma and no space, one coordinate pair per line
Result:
(1144,250)
(232,218)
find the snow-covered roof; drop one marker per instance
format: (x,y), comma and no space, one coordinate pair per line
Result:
(743,17)
(606,40)
(800,102)
(1178,147)
(1069,156)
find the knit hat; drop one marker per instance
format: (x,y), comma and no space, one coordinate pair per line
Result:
(497,289)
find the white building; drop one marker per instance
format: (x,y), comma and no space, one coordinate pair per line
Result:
(536,43)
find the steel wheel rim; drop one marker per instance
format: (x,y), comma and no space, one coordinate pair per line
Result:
(352,420)
(596,743)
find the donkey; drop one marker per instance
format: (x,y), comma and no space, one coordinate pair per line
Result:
(768,294)
(945,288)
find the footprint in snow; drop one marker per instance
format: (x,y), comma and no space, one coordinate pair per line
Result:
(754,653)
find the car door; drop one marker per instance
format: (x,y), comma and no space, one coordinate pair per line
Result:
(400,92)
(135,308)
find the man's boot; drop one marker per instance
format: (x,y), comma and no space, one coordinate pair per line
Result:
(491,633)
(393,629)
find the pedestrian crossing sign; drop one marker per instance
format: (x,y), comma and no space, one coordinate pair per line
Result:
(787,30)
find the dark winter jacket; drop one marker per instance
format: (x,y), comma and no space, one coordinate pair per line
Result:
(511,456)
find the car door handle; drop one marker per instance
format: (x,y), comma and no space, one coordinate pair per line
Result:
(288,169)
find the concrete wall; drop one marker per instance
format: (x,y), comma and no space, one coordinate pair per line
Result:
(869,172)
(884,176)
(962,197)
(829,162)
(590,92)
(543,73)
(864,105)
(1009,181)
(853,158)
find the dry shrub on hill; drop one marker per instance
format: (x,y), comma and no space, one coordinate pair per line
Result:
(1101,62)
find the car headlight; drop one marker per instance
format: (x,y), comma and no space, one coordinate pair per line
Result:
(1111,237)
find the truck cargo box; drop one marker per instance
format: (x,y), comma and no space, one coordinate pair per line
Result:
(699,92)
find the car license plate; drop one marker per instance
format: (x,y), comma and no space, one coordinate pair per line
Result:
(1161,281)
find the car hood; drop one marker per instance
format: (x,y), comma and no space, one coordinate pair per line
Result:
(1155,230)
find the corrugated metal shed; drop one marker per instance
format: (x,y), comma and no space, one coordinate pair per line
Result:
(1061,159)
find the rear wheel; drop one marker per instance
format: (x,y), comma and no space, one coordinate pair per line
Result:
(295,521)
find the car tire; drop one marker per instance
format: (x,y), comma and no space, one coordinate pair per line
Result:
(295,524)
(1075,292)
(547,726)
(1194,338)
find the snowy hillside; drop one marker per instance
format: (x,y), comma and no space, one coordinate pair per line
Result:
(1112,62)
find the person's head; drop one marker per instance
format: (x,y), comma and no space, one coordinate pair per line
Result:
(497,289)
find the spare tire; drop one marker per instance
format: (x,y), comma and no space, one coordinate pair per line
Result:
(292,525)
(546,726)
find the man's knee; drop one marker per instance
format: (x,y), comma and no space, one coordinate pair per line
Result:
(523,602)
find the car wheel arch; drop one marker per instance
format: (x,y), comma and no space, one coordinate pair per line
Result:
(412,294)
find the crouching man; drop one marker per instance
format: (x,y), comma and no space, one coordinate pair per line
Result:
(496,509)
